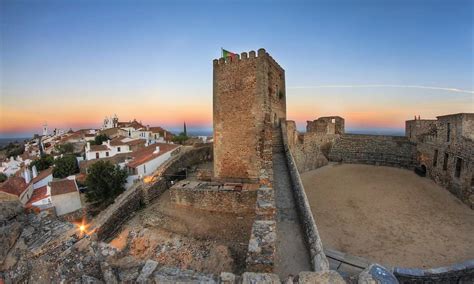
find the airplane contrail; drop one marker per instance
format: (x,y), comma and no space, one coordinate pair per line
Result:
(389,86)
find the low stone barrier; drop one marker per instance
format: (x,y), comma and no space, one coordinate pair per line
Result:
(457,273)
(313,240)
(215,197)
(380,150)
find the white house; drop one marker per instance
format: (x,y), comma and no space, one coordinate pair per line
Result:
(43,178)
(41,198)
(65,196)
(108,148)
(16,188)
(13,165)
(146,160)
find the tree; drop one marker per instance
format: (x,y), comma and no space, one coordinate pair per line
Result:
(100,138)
(104,182)
(65,166)
(42,163)
(3,177)
(66,148)
(181,138)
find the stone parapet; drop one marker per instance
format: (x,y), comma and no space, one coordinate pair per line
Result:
(313,240)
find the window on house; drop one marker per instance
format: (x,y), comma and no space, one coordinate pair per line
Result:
(445,162)
(118,149)
(457,172)
(97,155)
(106,154)
(144,168)
(435,158)
(448,133)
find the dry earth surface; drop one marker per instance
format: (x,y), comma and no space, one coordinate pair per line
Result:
(187,238)
(389,215)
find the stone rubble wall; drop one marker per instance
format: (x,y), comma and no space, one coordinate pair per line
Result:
(309,150)
(262,242)
(109,221)
(214,198)
(313,240)
(393,151)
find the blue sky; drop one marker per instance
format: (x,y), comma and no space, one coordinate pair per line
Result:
(73,62)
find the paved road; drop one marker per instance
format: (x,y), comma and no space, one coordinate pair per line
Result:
(292,255)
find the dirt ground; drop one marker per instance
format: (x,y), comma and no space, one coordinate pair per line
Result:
(389,215)
(187,238)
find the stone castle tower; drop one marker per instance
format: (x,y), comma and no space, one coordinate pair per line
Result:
(249,99)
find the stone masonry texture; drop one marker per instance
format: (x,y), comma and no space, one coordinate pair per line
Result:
(445,149)
(248,97)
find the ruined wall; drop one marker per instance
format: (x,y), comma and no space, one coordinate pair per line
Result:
(374,150)
(246,100)
(217,198)
(449,161)
(109,221)
(311,149)
(417,127)
(326,125)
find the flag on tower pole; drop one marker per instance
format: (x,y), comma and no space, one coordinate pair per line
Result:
(226,53)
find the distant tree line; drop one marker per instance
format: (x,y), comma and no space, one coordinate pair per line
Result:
(13,149)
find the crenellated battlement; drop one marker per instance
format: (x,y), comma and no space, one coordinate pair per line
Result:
(244,56)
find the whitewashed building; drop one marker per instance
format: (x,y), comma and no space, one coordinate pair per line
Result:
(145,161)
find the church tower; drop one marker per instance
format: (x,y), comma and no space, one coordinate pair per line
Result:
(45,129)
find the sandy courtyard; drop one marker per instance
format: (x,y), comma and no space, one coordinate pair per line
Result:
(389,215)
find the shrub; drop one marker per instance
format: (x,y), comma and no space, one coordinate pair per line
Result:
(65,166)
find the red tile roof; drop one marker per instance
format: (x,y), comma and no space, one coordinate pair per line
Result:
(117,141)
(81,177)
(38,194)
(161,131)
(146,154)
(135,124)
(14,185)
(135,142)
(63,186)
(99,148)
(43,174)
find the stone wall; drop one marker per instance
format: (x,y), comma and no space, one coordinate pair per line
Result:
(109,221)
(457,273)
(447,158)
(313,240)
(310,150)
(227,198)
(262,243)
(248,95)
(379,150)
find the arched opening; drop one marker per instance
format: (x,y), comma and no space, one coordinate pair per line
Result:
(275,119)
(421,170)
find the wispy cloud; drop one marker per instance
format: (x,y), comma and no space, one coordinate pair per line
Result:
(454,90)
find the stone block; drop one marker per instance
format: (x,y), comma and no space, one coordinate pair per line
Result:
(260,278)
(321,277)
(147,270)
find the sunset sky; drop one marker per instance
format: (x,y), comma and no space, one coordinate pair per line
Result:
(376,63)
